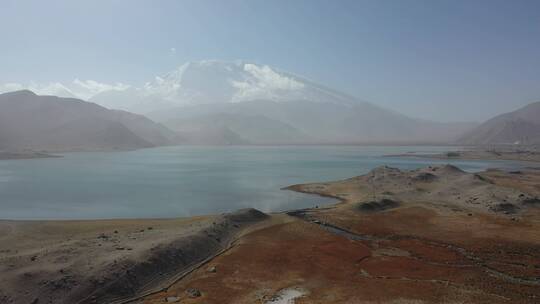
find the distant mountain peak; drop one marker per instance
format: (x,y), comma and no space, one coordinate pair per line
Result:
(218,81)
(195,83)
(213,81)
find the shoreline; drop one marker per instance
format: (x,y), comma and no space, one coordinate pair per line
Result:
(380,214)
(336,237)
(525,156)
(26,155)
(109,261)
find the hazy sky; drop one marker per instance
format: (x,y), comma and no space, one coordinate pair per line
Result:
(442,60)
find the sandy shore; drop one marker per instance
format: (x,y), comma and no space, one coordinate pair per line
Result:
(434,235)
(108,261)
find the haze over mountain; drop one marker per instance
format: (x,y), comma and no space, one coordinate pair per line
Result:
(50,123)
(250,103)
(214,81)
(220,102)
(518,127)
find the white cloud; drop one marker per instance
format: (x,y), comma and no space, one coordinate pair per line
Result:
(51,88)
(172,51)
(76,89)
(88,88)
(10,87)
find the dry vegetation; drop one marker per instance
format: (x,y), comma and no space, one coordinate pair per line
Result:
(441,241)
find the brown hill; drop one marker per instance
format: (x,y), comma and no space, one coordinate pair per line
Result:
(32,122)
(519,127)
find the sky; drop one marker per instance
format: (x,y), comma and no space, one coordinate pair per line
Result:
(440,60)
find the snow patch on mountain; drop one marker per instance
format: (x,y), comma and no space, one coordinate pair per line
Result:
(264,83)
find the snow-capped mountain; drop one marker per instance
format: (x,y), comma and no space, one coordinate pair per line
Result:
(241,102)
(212,81)
(237,102)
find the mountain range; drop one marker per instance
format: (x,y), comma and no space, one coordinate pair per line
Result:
(220,102)
(302,121)
(239,102)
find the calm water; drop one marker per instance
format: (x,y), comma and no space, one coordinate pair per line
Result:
(184,181)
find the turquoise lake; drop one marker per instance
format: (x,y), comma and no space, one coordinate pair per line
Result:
(188,180)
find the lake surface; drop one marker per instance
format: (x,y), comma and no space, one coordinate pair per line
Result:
(187,180)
